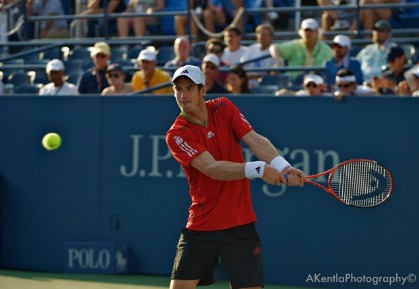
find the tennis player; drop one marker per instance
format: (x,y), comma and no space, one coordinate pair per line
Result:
(205,140)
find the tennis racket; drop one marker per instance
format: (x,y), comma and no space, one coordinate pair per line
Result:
(358,182)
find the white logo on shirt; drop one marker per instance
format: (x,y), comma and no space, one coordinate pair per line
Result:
(184,146)
(210,134)
(178,140)
(187,149)
(245,120)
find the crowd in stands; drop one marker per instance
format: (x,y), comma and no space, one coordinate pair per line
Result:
(231,65)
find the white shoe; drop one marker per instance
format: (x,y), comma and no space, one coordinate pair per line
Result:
(273,15)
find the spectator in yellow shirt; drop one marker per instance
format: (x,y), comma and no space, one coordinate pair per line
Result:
(149,76)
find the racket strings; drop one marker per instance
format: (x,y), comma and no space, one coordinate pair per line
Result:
(361,183)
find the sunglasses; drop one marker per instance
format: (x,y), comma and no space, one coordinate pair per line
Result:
(215,51)
(337,46)
(311,84)
(344,85)
(114,75)
(100,55)
(209,66)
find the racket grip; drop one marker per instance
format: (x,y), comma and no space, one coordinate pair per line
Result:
(286,176)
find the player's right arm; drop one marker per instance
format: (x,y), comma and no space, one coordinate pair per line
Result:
(229,171)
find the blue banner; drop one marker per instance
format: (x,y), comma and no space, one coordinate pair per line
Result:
(113,180)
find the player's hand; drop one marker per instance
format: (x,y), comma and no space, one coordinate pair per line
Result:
(271,176)
(295,177)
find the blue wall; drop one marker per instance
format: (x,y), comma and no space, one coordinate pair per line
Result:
(113,180)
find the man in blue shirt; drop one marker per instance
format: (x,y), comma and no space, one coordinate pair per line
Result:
(341,59)
(374,56)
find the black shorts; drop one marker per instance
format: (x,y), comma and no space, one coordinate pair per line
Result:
(239,249)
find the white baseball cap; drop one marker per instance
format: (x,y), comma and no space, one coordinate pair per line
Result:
(317,79)
(55,65)
(147,54)
(194,73)
(309,23)
(342,40)
(214,59)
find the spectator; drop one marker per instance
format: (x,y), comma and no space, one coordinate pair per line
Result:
(338,20)
(369,17)
(396,59)
(58,86)
(97,7)
(216,46)
(181,21)
(341,46)
(139,23)
(264,37)
(221,13)
(210,65)
(374,56)
(115,75)
(48,28)
(307,51)
(93,80)
(182,49)
(237,82)
(346,85)
(1,83)
(313,85)
(393,75)
(234,50)
(148,75)
(416,77)
(411,84)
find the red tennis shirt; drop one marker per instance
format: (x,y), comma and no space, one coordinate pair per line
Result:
(216,205)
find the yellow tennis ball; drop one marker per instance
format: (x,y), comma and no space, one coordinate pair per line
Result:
(51,141)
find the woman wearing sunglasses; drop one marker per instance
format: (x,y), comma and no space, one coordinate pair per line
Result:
(115,75)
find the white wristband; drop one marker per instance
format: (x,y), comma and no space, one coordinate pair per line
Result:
(279,163)
(254,169)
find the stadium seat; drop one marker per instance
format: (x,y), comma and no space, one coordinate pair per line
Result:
(80,53)
(8,71)
(41,78)
(198,50)
(280,80)
(134,52)
(19,78)
(74,65)
(118,53)
(127,64)
(8,88)
(410,52)
(52,53)
(30,55)
(73,77)
(26,88)
(264,89)
(164,54)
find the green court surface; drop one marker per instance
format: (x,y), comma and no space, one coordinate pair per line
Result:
(39,280)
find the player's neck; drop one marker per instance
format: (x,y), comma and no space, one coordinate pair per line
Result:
(199,116)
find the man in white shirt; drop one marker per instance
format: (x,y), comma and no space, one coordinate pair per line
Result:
(58,86)
(264,37)
(233,50)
